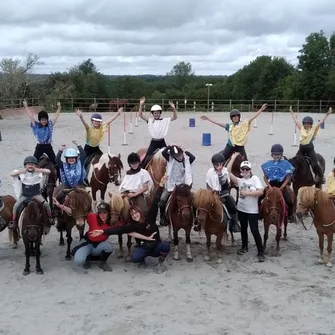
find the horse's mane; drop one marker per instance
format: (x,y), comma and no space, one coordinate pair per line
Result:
(32,212)
(158,157)
(116,202)
(117,161)
(274,192)
(80,199)
(308,194)
(182,190)
(202,198)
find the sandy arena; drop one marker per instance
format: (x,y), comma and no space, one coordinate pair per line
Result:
(286,295)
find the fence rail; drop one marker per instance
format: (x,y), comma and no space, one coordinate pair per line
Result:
(218,105)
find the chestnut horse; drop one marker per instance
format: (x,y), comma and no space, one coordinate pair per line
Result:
(322,207)
(120,207)
(274,211)
(210,216)
(179,212)
(6,211)
(103,169)
(80,202)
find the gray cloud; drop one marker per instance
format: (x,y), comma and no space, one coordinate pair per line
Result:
(147,36)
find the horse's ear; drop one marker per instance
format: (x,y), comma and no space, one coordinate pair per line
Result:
(88,192)
(110,194)
(119,156)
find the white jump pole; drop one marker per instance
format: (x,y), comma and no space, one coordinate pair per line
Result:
(131,123)
(136,119)
(124,129)
(271,125)
(295,137)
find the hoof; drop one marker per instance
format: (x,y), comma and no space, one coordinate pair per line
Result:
(320,261)
(329,265)
(219,261)
(176,258)
(207,258)
(67,258)
(277,254)
(128,259)
(189,259)
(61,243)
(284,238)
(14,246)
(26,272)
(39,272)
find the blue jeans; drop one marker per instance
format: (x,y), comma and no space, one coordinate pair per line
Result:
(161,250)
(82,253)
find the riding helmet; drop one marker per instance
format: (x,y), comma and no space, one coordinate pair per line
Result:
(156,108)
(175,150)
(235,112)
(103,207)
(307,119)
(30,159)
(134,158)
(96,117)
(42,115)
(218,159)
(70,153)
(277,149)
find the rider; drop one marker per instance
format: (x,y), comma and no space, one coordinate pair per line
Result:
(238,132)
(179,171)
(218,180)
(278,173)
(136,182)
(330,183)
(158,127)
(2,220)
(28,183)
(308,133)
(42,130)
(95,132)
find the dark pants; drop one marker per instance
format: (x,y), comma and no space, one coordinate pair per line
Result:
(41,149)
(252,219)
(228,151)
(308,150)
(229,202)
(162,249)
(92,150)
(153,146)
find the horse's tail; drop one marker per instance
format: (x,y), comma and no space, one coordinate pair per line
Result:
(10,236)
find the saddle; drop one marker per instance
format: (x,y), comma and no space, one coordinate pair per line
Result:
(146,162)
(2,205)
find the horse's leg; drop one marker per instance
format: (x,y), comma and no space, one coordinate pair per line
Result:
(61,238)
(189,257)
(69,241)
(208,245)
(285,228)
(39,270)
(219,248)
(278,236)
(170,228)
(329,249)
(26,270)
(94,198)
(16,237)
(321,244)
(103,192)
(176,244)
(128,259)
(266,233)
(120,255)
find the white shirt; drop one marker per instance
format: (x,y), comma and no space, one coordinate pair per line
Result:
(158,128)
(212,178)
(134,182)
(249,204)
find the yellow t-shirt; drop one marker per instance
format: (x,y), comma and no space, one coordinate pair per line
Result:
(94,136)
(307,136)
(330,184)
(239,134)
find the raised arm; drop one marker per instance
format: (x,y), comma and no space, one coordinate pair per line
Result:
(119,112)
(258,112)
(140,110)
(324,118)
(174,111)
(31,116)
(230,166)
(295,119)
(190,156)
(80,114)
(82,155)
(59,155)
(54,120)
(206,118)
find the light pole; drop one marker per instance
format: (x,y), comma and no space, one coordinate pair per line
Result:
(208,86)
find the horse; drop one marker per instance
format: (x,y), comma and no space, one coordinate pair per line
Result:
(7,203)
(322,207)
(120,216)
(102,170)
(303,174)
(210,216)
(80,202)
(51,180)
(179,211)
(274,211)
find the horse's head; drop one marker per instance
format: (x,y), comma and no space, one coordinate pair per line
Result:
(274,204)
(308,197)
(183,199)
(299,163)
(114,169)
(236,165)
(32,222)
(117,206)
(80,201)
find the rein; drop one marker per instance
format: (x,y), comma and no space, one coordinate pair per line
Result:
(210,214)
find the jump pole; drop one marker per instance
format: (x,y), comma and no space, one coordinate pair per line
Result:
(295,137)
(255,123)
(124,129)
(271,125)
(131,123)
(136,119)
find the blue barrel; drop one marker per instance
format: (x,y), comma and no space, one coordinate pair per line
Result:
(191,122)
(206,139)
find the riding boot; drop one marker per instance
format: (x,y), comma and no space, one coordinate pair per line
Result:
(233,224)
(163,220)
(103,261)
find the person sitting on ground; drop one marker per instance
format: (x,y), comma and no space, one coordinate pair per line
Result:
(158,128)
(144,224)
(28,183)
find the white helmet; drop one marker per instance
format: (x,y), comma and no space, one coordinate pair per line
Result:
(156,108)
(245,164)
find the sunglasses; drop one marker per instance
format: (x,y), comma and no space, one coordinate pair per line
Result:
(245,169)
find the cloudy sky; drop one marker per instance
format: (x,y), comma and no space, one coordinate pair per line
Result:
(150,36)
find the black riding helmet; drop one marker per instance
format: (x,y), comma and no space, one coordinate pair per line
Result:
(42,115)
(235,112)
(134,158)
(307,119)
(175,150)
(218,159)
(30,159)
(277,149)
(103,207)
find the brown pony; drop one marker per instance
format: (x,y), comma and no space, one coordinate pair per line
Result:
(274,211)
(236,172)
(322,207)
(119,217)
(7,212)
(179,212)
(210,216)
(80,202)
(103,169)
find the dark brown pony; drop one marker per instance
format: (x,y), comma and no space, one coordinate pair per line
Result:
(210,216)
(236,172)
(120,207)
(180,216)
(103,169)
(80,202)
(274,211)
(302,175)
(322,207)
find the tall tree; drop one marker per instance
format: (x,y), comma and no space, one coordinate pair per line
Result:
(180,75)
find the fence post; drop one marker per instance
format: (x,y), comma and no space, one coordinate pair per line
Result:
(229,105)
(177,105)
(298,104)
(275,105)
(194,106)
(72,104)
(320,110)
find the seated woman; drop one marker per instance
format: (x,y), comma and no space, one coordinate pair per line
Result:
(278,173)
(330,183)
(145,225)
(136,182)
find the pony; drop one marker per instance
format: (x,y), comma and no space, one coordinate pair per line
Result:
(303,174)
(179,211)
(210,216)
(274,211)
(322,207)
(6,211)
(120,216)
(80,202)
(102,170)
